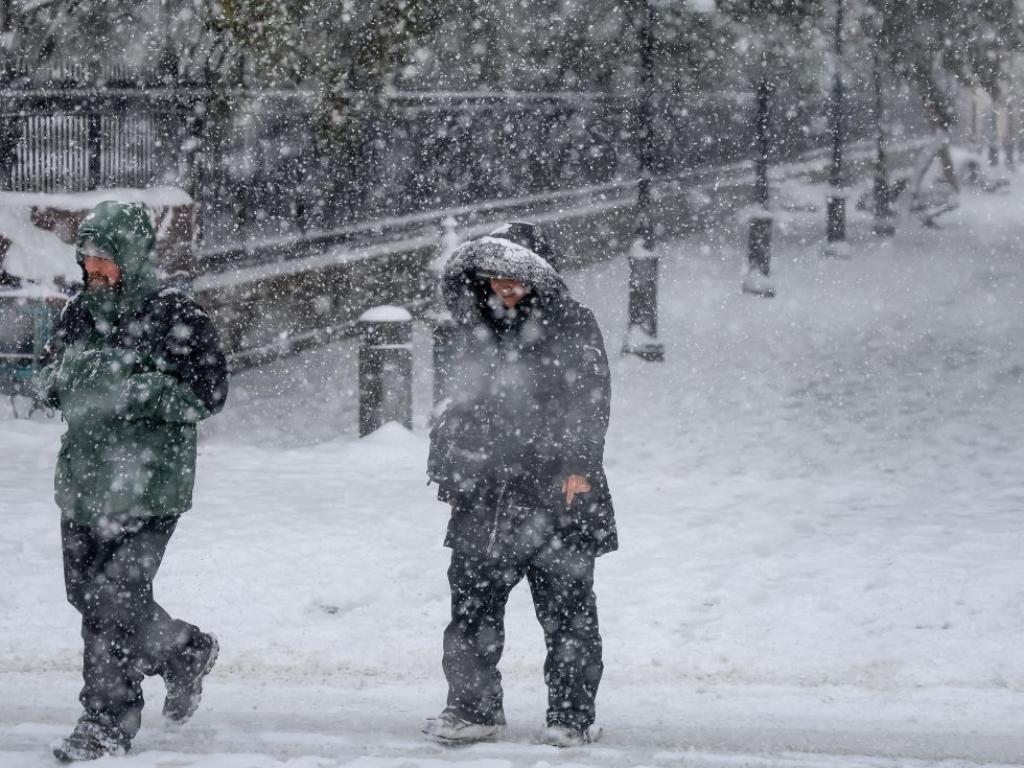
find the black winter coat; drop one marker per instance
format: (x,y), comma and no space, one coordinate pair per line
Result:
(530,406)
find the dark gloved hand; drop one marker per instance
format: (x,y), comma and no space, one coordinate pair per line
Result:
(160,397)
(87,382)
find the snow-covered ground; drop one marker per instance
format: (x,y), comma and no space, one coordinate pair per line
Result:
(820,503)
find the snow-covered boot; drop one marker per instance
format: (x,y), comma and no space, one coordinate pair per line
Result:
(94,737)
(570,736)
(184,678)
(449,728)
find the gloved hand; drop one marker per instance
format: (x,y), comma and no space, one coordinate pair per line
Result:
(95,387)
(139,396)
(160,397)
(87,382)
(45,386)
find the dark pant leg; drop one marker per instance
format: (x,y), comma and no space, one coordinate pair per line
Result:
(126,633)
(562,583)
(475,638)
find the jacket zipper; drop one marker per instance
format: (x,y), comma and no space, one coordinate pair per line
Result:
(497,513)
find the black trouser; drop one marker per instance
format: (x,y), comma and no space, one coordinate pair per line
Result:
(109,579)
(563,597)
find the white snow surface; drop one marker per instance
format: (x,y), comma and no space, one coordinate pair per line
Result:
(819,499)
(35,255)
(154,197)
(386,313)
(40,257)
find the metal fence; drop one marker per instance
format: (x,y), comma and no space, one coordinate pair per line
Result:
(71,153)
(71,128)
(286,165)
(279,171)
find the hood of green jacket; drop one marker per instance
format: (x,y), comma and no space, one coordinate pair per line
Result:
(125,231)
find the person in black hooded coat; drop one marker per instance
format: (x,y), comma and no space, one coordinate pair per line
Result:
(518,454)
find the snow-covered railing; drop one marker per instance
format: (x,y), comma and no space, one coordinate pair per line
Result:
(314,297)
(296,161)
(223,266)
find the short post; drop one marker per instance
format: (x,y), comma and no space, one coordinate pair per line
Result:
(444,334)
(759,250)
(992,134)
(385,368)
(642,332)
(445,350)
(1009,146)
(836,219)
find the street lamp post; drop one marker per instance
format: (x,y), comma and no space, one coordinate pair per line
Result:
(10,132)
(759,240)
(836,209)
(883,223)
(642,323)
(5,21)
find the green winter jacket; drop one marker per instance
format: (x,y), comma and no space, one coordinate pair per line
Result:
(124,374)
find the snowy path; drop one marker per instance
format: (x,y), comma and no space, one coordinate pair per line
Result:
(820,503)
(342,725)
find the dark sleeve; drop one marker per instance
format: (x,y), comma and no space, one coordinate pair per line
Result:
(74,323)
(194,353)
(590,394)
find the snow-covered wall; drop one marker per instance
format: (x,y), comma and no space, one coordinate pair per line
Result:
(37,231)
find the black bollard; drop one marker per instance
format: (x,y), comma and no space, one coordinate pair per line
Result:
(642,333)
(385,368)
(445,338)
(759,255)
(836,232)
(992,134)
(759,250)
(444,332)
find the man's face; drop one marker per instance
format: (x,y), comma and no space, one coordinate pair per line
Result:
(101,272)
(510,291)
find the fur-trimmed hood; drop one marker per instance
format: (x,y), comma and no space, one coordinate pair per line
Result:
(473,262)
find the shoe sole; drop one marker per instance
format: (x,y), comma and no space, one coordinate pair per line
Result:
(207,668)
(64,757)
(462,742)
(465,742)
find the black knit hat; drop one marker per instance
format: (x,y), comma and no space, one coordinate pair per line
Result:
(529,236)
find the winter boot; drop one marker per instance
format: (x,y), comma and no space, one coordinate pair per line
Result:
(94,737)
(184,678)
(570,736)
(449,728)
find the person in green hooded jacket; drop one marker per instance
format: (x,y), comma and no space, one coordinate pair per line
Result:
(133,368)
